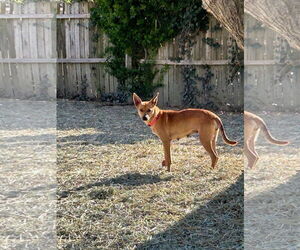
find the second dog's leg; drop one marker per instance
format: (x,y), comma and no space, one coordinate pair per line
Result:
(251,157)
(167,161)
(252,148)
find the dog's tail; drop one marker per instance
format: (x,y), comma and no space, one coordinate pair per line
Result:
(268,135)
(224,136)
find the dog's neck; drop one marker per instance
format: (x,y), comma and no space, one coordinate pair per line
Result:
(155,117)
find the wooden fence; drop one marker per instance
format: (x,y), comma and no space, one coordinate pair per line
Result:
(272,70)
(27,51)
(50,49)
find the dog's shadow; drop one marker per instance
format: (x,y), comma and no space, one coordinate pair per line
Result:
(129,180)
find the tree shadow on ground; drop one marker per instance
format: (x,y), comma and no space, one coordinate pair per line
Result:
(130,179)
(215,225)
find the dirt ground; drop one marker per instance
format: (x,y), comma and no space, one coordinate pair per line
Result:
(114,194)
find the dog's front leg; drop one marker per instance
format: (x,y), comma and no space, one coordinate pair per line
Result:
(167,161)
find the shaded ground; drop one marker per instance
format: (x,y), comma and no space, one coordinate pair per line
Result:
(272,189)
(113,193)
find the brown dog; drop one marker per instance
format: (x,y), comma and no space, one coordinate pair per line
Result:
(252,126)
(170,124)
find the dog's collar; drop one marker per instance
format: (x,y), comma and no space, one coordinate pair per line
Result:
(152,123)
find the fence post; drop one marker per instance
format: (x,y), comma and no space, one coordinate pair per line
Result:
(128,61)
(128,65)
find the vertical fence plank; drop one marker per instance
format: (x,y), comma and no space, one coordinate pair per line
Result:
(6,85)
(26,68)
(171,86)
(166,77)
(32,23)
(76,37)
(180,87)
(20,92)
(40,50)
(207,47)
(72,81)
(48,77)
(73,52)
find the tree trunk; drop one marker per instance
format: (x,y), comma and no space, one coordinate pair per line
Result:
(230,13)
(283,16)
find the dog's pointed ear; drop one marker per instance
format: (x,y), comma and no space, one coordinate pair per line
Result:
(136,99)
(154,100)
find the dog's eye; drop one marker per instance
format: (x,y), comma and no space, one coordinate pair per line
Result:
(141,110)
(149,110)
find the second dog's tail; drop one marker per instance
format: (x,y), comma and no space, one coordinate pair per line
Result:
(224,136)
(268,135)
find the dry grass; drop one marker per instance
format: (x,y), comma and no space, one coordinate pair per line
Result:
(27,174)
(272,189)
(113,193)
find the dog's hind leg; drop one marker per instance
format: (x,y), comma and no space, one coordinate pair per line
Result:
(251,156)
(208,140)
(252,148)
(214,142)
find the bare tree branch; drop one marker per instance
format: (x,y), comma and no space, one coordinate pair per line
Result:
(230,13)
(283,16)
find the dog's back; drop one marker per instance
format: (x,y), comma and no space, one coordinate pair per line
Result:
(253,124)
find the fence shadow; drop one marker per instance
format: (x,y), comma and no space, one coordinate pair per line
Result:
(129,180)
(215,225)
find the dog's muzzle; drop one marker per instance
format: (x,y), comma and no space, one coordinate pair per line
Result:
(145,118)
